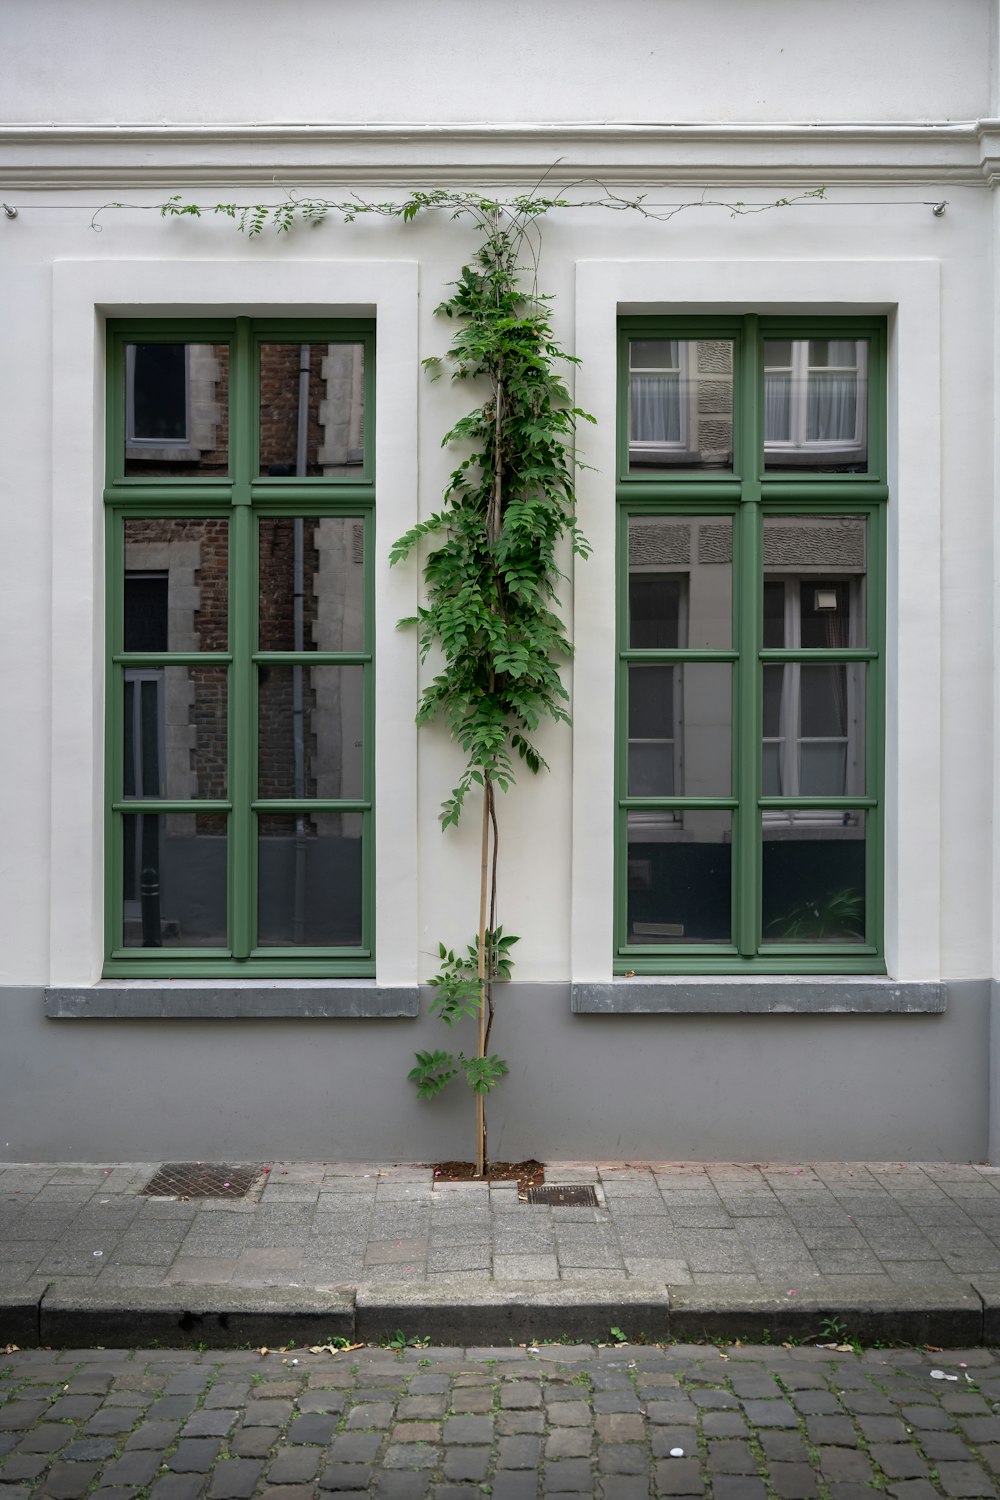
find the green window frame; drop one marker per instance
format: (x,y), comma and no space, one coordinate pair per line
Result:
(750,736)
(278,871)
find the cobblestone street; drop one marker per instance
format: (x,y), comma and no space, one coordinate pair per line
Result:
(622,1422)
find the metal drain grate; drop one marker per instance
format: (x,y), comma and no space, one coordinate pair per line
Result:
(197,1179)
(564,1197)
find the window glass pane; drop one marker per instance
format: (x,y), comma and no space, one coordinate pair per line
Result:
(680,582)
(312,583)
(176,410)
(174,880)
(814,730)
(679,877)
(815,404)
(311,724)
(680,729)
(814,582)
(176,586)
(175,730)
(312,410)
(813,877)
(310,878)
(680,404)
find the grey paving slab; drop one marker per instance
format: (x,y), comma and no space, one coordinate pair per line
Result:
(833,1231)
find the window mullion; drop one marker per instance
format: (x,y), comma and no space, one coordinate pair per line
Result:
(748,632)
(242,594)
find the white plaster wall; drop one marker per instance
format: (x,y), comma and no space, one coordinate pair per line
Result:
(874,245)
(462,60)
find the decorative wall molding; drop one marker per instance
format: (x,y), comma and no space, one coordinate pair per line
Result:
(41,156)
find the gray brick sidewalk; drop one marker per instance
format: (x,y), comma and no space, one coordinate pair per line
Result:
(709,1235)
(624,1423)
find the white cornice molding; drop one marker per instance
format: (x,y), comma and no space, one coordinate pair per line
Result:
(40,156)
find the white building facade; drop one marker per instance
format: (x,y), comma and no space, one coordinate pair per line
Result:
(756,892)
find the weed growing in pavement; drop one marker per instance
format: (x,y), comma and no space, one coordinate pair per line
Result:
(399,1342)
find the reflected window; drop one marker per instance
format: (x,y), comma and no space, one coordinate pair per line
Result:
(680,399)
(815,404)
(176,409)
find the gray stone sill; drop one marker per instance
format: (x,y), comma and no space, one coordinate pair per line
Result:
(774,994)
(226,999)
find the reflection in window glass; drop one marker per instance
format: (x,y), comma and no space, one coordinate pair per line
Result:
(813,877)
(176,586)
(680,729)
(310,880)
(312,410)
(814,582)
(815,404)
(312,583)
(679,877)
(311,730)
(176,410)
(174,886)
(175,732)
(814,730)
(680,582)
(680,403)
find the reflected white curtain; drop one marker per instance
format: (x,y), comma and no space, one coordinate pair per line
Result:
(655,408)
(831,408)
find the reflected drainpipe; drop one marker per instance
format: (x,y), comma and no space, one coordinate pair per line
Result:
(298,713)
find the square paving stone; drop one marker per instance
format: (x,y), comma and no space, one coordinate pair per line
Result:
(524,1451)
(352,1477)
(784,1447)
(411,1456)
(512,1423)
(845,1464)
(737,1487)
(48,1437)
(312,1428)
(177,1487)
(91,1449)
(515,1486)
(899,1461)
(964,1479)
(235,1478)
(570,1414)
(568,1442)
(210,1422)
(69,1481)
(927,1418)
(369,1414)
(792,1481)
(770,1414)
(466,1463)
(194,1455)
(731,1457)
(468,1430)
(946,1445)
(574,1474)
(834,1430)
(622,1458)
(678,1476)
(22,1466)
(132,1468)
(150,1435)
(295,1466)
(354,1448)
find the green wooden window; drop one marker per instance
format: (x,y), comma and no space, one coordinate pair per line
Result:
(751,645)
(239,508)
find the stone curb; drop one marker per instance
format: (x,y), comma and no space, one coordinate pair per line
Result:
(455,1311)
(462,1312)
(222,1317)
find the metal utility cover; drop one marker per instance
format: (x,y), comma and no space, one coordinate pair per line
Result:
(196,1179)
(564,1197)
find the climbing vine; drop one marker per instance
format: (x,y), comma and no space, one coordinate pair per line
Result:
(492,552)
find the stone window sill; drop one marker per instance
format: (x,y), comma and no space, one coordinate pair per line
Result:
(771,995)
(221,999)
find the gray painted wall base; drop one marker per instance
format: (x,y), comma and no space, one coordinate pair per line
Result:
(660,1087)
